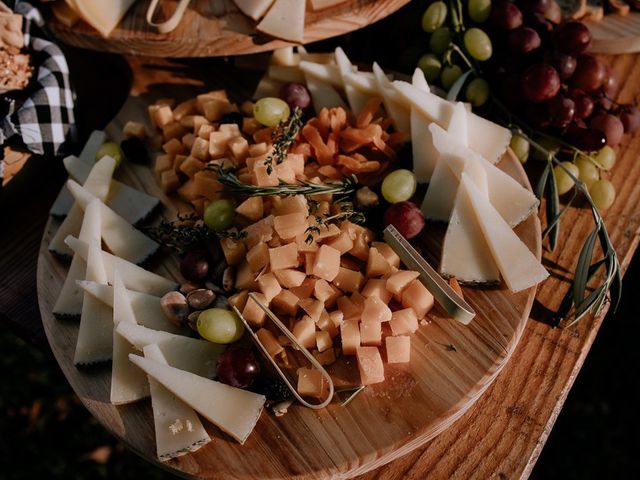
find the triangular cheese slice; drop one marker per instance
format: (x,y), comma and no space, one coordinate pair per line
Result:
(518,266)
(101,15)
(363,82)
(457,127)
(233,410)
(122,239)
(146,308)
(400,114)
(178,428)
(465,253)
(128,383)
(438,201)
(419,81)
(285,20)
(139,336)
(325,72)
(134,277)
(95,334)
(284,56)
(425,155)
(323,95)
(254,9)
(357,98)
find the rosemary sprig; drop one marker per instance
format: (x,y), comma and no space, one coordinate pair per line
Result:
(283,136)
(233,185)
(347,213)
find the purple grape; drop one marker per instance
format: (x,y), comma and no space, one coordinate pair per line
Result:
(572,38)
(563,63)
(295,94)
(523,40)
(506,16)
(589,74)
(561,110)
(238,367)
(541,82)
(194,266)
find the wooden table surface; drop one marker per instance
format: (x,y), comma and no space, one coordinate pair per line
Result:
(503,434)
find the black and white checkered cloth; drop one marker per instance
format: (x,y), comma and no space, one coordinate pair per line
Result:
(44,123)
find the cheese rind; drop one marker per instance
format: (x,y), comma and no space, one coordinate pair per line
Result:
(233,410)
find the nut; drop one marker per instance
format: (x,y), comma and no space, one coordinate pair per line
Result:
(187,287)
(175,307)
(200,298)
(365,198)
(213,286)
(228,279)
(192,320)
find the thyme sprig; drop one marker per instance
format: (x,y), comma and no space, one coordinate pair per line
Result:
(347,212)
(283,136)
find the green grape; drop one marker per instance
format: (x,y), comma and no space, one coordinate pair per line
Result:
(588,171)
(399,186)
(477,92)
(564,182)
(550,145)
(520,147)
(220,326)
(603,193)
(431,66)
(112,150)
(478,44)
(479,10)
(219,215)
(606,157)
(434,16)
(440,40)
(449,75)
(270,111)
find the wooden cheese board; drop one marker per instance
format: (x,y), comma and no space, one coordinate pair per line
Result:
(616,34)
(217,29)
(451,366)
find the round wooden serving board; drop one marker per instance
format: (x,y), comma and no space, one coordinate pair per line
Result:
(451,366)
(202,34)
(615,34)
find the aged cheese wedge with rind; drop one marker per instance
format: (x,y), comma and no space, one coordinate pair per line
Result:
(97,184)
(131,204)
(146,308)
(101,15)
(139,335)
(520,269)
(425,155)
(399,113)
(357,98)
(323,95)
(465,253)
(135,277)
(128,383)
(458,124)
(178,428)
(254,9)
(326,72)
(95,334)
(233,410)
(419,81)
(284,20)
(121,237)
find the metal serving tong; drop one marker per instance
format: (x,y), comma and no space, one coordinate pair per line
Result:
(297,344)
(452,303)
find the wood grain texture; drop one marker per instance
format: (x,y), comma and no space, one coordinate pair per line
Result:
(203,34)
(416,402)
(616,34)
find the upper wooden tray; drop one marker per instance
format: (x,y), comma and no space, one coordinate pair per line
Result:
(451,366)
(616,34)
(201,34)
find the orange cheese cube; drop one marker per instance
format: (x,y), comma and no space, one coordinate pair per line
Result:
(238,147)
(296,162)
(286,302)
(309,258)
(326,231)
(398,349)
(259,232)
(252,208)
(252,313)
(134,129)
(262,178)
(326,324)
(304,245)
(289,277)
(416,296)
(163,163)
(190,166)
(326,293)
(173,130)
(375,310)
(258,257)
(200,149)
(370,365)
(327,263)
(323,341)
(377,287)
(188,140)
(214,109)
(269,286)
(283,257)
(350,310)
(169,181)
(250,125)
(399,280)
(313,308)
(306,289)
(257,149)
(371,333)
(348,280)
(239,300)
(325,358)
(360,248)
(205,132)
(292,204)
(343,242)
(162,116)
(290,225)
(270,342)
(305,331)
(172,147)
(185,108)
(337,317)
(234,250)
(403,321)
(206,183)
(310,383)
(350,336)
(188,191)
(388,253)
(377,264)
(245,278)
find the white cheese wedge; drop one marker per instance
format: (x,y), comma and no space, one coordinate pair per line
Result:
(64,201)
(425,155)
(128,383)
(131,204)
(399,112)
(362,82)
(284,56)
(325,72)
(135,277)
(284,20)
(146,308)
(465,253)
(95,334)
(122,239)
(178,428)
(254,9)
(233,410)
(97,184)
(285,73)
(458,124)
(323,95)
(139,336)
(518,266)
(101,15)
(357,98)
(419,81)
(514,202)
(267,87)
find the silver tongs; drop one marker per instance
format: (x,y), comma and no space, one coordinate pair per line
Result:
(297,345)
(446,296)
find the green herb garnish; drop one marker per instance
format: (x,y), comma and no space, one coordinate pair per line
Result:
(283,136)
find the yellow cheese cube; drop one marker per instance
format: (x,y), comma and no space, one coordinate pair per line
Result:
(350,336)
(269,286)
(371,333)
(349,309)
(387,252)
(258,149)
(234,250)
(375,310)
(252,208)
(270,342)
(377,287)
(163,163)
(213,109)
(204,131)
(326,293)
(314,308)
(306,289)
(169,181)
(239,300)
(348,280)
(310,383)
(377,264)
(252,313)
(162,116)
(245,278)
(343,243)
(370,365)
(305,331)
(399,280)
(190,166)
(283,257)
(173,130)
(185,108)
(403,321)
(323,341)
(327,263)
(286,302)
(398,349)
(416,296)
(258,257)
(134,129)
(289,277)
(327,357)
(292,204)
(290,225)
(327,324)
(238,147)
